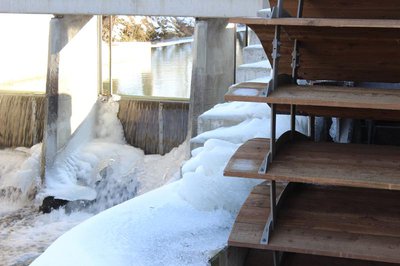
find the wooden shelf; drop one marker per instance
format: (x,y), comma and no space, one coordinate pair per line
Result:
(321,22)
(247,159)
(334,49)
(317,95)
(319,220)
(333,96)
(247,92)
(354,165)
(364,9)
(257,257)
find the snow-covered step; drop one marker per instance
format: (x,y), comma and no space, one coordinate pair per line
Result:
(225,115)
(264,13)
(251,71)
(253,39)
(254,53)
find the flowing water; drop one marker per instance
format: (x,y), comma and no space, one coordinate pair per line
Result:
(21,119)
(113,170)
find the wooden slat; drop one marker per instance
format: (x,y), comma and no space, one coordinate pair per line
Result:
(359,103)
(354,165)
(247,91)
(361,9)
(340,222)
(335,53)
(321,22)
(257,257)
(331,96)
(247,159)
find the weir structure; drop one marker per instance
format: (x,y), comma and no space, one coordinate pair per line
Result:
(213,66)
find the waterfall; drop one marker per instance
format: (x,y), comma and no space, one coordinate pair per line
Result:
(21,120)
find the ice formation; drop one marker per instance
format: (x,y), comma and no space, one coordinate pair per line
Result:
(182,223)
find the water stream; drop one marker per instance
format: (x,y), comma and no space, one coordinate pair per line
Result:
(114,170)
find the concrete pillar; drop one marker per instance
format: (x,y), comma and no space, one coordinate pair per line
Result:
(62,30)
(213,66)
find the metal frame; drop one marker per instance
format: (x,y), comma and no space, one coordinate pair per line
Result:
(278,12)
(271,222)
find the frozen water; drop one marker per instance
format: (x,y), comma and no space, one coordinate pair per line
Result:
(105,166)
(182,223)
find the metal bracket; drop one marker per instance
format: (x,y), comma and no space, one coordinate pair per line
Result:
(275,49)
(265,164)
(269,226)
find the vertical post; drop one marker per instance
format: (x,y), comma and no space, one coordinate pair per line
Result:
(110,24)
(273,132)
(275,56)
(49,148)
(99,55)
(293,120)
(311,127)
(300,9)
(235,52)
(160,129)
(246,36)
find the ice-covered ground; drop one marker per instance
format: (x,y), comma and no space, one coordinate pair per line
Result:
(105,169)
(182,223)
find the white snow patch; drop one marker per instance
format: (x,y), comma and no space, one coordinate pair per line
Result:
(236,110)
(246,92)
(252,128)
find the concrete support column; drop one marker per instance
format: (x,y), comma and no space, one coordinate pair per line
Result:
(62,30)
(213,66)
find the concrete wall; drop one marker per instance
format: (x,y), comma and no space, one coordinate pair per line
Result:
(190,8)
(213,66)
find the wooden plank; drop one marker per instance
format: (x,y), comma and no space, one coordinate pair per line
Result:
(321,22)
(247,91)
(257,257)
(247,159)
(356,113)
(319,220)
(324,96)
(337,164)
(361,9)
(332,96)
(361,54)
(325,100)
(354,165)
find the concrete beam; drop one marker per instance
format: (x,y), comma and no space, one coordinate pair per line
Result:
(182,8)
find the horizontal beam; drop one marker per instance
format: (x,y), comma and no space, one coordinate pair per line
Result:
(182,8)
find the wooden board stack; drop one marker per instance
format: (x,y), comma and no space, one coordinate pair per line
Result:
(322,203)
